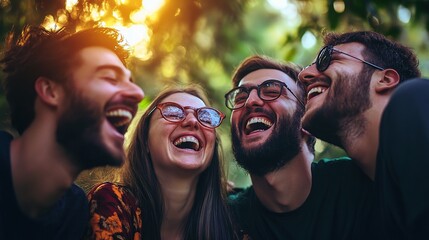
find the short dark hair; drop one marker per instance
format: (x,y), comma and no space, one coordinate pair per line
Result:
(37,52)
(381,51)
(257,62)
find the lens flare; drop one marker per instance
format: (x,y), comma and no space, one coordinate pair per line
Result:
(136,33)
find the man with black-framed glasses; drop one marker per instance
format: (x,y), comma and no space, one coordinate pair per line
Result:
(291,197)
(359,97)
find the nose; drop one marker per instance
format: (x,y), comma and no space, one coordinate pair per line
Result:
(133,91)
(190,121)
(308,74)
(253,99)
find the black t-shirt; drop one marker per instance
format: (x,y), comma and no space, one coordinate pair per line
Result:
(68,219)
(402,177)
(339,206)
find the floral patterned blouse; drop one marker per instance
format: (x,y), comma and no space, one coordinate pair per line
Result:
(114,213)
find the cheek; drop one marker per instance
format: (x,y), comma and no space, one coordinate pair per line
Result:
(210,141)
(157,137)
(235,118)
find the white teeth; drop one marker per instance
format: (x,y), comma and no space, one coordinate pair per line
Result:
(188,139)
(259,120)
(127,115)
(316,90)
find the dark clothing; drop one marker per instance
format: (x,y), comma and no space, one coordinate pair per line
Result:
(66,220)
(402,181)
(339,207)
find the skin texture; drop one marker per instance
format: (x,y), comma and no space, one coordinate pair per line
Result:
(250,148)
(285,181)
(101,84)
(162,135)
(178,169)
(348,112)
(41,177)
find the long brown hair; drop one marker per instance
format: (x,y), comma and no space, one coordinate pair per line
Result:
(208,218)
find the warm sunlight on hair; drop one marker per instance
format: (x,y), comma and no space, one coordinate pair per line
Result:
(136,33)
(137,37)
(49,23)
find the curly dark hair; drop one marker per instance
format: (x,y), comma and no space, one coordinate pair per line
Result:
(37,52)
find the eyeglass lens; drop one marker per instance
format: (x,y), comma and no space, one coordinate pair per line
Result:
(324,59)
(206,116)
(267,91)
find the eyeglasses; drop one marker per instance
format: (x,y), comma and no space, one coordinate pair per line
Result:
(206,116)
(325,55)
(269,90)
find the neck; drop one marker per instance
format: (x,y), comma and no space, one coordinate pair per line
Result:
(179,196)
(41,171)
(363,147)
(287,188)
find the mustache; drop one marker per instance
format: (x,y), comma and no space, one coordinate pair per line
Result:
(250,110)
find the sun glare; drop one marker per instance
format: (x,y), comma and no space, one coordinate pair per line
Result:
(70,4)
(152,6)
(136,34)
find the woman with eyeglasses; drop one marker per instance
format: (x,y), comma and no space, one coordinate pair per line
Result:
(172,180)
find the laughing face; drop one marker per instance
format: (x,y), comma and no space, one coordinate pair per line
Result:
(337,97)
(99,105)
(180,147)
(266,135)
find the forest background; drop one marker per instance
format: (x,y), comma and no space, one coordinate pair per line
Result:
(202,41)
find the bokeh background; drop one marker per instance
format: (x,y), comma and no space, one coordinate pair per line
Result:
(202,41)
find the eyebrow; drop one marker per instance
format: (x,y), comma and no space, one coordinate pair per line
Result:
(116,69)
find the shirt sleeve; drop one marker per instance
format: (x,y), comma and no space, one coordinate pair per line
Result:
(114,213)
(404,142)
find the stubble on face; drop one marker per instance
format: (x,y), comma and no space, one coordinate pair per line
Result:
(340,118)
(79,133)
(277,151)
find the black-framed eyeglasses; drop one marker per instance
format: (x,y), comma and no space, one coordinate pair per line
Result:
(206,116)
(269,90)
(325,55)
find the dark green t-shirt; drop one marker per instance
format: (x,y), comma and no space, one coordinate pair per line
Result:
(339,206)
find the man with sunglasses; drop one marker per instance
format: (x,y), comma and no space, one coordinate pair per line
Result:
(359,97)
(291,197)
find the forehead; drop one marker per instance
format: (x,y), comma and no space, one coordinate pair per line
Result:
(352,48)
(185,99)
(259,76)
(95,57)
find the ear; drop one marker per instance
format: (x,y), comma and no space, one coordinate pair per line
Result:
(305,133)
(387,81)
(48,91)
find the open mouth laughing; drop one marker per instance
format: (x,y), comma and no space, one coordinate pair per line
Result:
(314,91)
(257,124)
(187,142)
(120,119)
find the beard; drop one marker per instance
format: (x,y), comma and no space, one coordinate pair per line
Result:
(340,117)
(277,151)
(79,133)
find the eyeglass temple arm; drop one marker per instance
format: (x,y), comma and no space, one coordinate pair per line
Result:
(371,64)
(302,104)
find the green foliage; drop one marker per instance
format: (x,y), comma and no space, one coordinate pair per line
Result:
(203,41)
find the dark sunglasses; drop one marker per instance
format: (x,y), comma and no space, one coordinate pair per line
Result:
(206,116)
(325,55)
(269,90)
